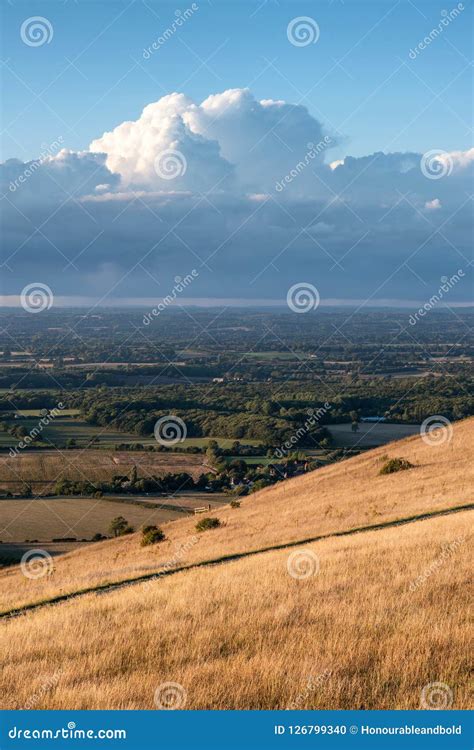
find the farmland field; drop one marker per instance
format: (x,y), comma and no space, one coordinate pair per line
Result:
(61,430)
(201,442)
(371,434)
(52,518)
(42,468)
(70,426)
(37,412)
(275,356)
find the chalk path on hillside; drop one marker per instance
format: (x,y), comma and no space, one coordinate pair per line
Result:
(107,587)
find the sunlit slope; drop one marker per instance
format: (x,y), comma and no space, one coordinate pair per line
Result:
(383,619)
(342,496)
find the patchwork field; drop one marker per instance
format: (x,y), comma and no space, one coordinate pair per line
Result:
(42,468)
(70,426)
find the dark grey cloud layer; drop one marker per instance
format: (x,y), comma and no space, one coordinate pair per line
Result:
(256,205)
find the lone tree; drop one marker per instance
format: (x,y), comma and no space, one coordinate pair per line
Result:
(119,526)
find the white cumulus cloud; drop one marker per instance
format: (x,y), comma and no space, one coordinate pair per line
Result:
(229,140)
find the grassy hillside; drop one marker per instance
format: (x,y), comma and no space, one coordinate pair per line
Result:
(384,617)
(339,497)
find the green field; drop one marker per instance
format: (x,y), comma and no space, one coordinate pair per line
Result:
(70,426)
(251,460)
(37,412)
(7,440)
(67,427)
(284,356)
(223,442)
(370,434)
(61,430)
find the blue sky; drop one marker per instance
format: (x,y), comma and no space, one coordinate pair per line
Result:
(353,96)
(344,161)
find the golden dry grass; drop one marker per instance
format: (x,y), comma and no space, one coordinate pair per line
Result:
(341,496)
(247,635)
